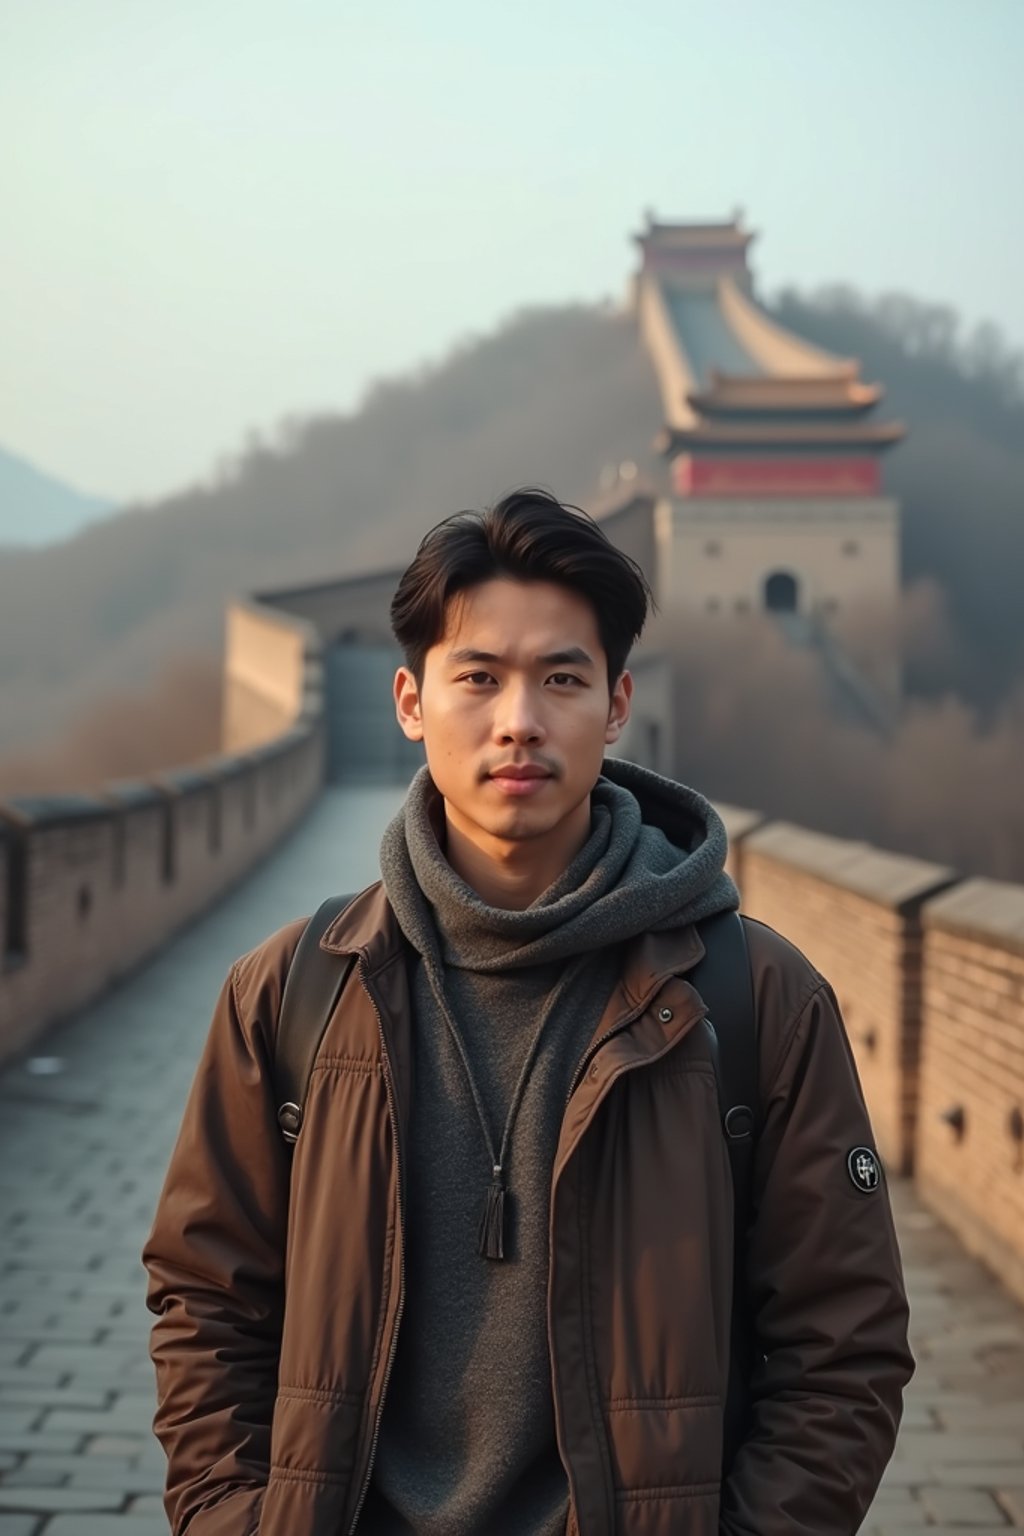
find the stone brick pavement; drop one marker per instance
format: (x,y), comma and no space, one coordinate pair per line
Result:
(82,1153)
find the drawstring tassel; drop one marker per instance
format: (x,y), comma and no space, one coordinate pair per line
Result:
(491,1243)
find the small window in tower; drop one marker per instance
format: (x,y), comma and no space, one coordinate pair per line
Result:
(851,547)
(830,605)
(742,605)
(713,605)
(712,549)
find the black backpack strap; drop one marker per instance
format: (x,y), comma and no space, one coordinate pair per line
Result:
(312,987)
(722,977)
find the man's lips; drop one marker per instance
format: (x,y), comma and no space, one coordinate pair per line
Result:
(520,779)
(520,771)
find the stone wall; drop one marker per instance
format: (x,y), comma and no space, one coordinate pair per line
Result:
(856,914)
(929,973)
(273,673)
(739,823)
(970,1144)
(92,884)
(349,608)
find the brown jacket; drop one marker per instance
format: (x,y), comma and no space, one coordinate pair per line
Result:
(278,1284)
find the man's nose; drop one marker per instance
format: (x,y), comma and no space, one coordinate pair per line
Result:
(518,716)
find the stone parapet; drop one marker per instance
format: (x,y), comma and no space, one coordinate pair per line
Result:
(273,672)
(739,823)
(855,912)
(970,1142)
(90,885)
(929,973)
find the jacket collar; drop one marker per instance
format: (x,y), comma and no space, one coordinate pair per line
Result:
(368,927)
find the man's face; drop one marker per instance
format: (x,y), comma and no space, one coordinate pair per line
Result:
(514,710)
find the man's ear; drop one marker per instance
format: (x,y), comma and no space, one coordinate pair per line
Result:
(618,708)
(407,704)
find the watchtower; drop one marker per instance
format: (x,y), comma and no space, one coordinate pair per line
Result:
(776,502)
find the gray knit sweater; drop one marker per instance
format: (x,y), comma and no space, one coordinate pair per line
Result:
(467,1443)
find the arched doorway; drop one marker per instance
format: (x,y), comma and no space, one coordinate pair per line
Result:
(781,593)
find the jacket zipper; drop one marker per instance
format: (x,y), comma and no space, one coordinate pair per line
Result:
(393,1114)
(581,1067)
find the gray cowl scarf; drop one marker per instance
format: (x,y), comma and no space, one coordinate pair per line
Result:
(467,1443)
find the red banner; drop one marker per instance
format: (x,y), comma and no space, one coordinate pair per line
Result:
(775,476)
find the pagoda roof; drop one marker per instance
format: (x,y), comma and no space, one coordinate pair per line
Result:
(729,372)
(842,392)
(693,234)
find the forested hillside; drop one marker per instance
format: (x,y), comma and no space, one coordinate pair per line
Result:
(960,474)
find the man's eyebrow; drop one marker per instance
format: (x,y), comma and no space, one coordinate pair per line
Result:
(572,656)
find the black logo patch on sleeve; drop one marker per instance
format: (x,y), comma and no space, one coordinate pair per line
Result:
(862,1166)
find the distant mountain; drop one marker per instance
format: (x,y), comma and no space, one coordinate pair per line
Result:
(36,509)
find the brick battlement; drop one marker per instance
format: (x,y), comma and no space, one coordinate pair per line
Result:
(929,972)
(91,885)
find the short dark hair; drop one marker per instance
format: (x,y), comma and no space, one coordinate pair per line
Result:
(527,536)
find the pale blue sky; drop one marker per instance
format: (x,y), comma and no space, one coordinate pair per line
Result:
(216,213)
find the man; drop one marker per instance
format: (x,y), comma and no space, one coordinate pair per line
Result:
(492,1291)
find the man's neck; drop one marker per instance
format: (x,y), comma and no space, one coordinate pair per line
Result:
(513,874)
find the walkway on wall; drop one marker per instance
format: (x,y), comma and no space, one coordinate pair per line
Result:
(82,1153)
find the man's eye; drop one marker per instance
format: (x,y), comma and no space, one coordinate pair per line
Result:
(564,677)
(476,677)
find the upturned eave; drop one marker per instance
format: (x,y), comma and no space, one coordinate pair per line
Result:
(730,393)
